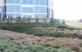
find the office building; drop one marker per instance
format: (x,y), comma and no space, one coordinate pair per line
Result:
(26,8)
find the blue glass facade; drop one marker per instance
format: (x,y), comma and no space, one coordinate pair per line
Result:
(0,9)
(13,1)
(41,2)
(26,8)
(27,2)
(40,9)
(13,8)
(0,12)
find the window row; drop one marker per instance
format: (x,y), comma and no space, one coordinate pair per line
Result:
(27,16)
(0,10)
(18,8)
(13,8)
(41,9)
(32,2)
(41,15)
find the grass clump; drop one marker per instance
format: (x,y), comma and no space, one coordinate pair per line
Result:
(8,45)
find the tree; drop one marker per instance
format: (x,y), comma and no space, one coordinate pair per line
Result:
(52,21)
(11,18)
(18,19)
(4,18)
(45,20)
(8,20)
(37,20)
(28,19)
(0,17)
(63,21)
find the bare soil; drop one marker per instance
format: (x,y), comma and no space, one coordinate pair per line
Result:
(41,40)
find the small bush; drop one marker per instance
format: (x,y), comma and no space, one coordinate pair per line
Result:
(28,28)
(77,49)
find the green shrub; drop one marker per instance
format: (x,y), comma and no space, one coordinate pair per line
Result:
(77,49)
(28,28)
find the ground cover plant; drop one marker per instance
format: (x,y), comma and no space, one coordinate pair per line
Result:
(9,45)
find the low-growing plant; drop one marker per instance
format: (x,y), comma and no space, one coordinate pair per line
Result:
(77,49)
(8,45)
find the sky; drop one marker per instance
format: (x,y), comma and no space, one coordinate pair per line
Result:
(68,9)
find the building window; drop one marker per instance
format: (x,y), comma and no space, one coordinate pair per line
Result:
(13,8)
(0,15)
(10,15)
(39,9)
(41,15)
(41,2)
(27,16)
(13,1)
(0,10)
(17,15)
(27,9)
(27,1)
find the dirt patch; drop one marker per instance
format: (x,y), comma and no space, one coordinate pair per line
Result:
(41,40)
